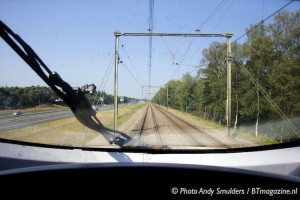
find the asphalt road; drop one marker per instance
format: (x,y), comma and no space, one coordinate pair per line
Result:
(27,119)
(10,122)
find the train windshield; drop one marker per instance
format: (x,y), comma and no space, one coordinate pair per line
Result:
(167,75)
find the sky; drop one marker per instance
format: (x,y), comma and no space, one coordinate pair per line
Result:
(75,38)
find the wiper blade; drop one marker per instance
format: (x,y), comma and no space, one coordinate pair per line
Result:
(73,97)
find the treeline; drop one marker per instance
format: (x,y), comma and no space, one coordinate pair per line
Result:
(265,81)
(100,98)
(23,97)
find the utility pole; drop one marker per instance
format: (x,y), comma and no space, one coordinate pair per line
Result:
(117,34)
(228,62)
(186,106)
(167,97)
(142,93)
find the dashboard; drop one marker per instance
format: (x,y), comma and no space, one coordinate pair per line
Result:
(140,180)
(39,171)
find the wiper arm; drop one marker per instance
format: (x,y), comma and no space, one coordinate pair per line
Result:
(73,97)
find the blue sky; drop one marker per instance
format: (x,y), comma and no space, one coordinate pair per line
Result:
(75,37)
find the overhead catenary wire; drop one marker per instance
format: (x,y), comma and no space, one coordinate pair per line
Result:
(252,28)
(180,45)
(222,17)
(134,68)
(269,99)
(131,73)
(256,83)
(173,56)
(179,63)
(215,11)
(272,103)
(103,86)
(262,21)
(169,49)
(197,67)
(213,30)
(104,77)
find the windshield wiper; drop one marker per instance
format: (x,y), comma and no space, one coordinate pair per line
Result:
(73,97)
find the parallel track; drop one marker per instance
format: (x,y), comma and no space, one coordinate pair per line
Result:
(182,125)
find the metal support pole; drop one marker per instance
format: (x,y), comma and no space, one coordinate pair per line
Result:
(117,34)
(228,62)
(167,97)
(142,93)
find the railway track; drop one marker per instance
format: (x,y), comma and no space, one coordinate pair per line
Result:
(190,130)
(149,126)
(156,127)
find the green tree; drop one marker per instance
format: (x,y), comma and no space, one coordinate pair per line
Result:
(216,80)
(259,55)
(184,91)
(284,76)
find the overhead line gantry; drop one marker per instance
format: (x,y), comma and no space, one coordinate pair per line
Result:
(118,34)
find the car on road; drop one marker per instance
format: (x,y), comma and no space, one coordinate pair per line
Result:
(95,108)
(18,113)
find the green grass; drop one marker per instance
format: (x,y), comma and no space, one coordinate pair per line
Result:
(243,134)
(199,119)
(260,139)
(67,131)
(72,133)
(125,113)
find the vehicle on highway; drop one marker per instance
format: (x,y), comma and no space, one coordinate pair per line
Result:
(218,112)
(18,113)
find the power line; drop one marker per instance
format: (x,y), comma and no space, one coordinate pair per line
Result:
(227,8)
(203,64)
(268,98)
(262,21)
(215,11)
(132,64)
(173,56)
(176,70)
(105,75)
(131,73)
(111,66)
(222,17)
(253,80)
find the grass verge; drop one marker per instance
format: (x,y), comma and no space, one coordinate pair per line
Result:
(260,139)
(243,134)
(67,131)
